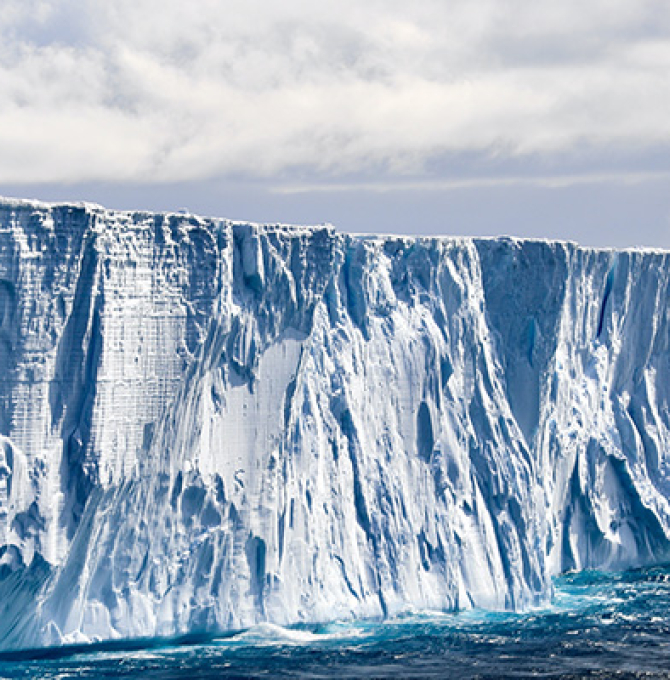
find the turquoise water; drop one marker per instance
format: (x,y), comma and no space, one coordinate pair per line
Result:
(599,626)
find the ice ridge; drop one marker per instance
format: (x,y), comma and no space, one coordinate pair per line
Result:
(205,425)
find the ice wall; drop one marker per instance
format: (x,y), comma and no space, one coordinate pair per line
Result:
(207,424)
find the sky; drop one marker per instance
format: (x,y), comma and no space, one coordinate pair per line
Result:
(466,117)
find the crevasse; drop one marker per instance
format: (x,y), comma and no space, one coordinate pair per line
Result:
(206,424)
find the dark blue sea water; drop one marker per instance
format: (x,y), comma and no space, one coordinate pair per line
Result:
(599,626)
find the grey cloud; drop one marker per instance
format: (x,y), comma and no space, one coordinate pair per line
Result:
(42,23)
(183,91)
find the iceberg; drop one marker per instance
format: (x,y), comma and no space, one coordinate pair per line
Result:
(207,425)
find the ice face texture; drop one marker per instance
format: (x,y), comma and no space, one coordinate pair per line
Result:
(207,424)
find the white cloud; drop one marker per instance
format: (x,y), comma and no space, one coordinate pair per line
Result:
(140,89)
(426,185)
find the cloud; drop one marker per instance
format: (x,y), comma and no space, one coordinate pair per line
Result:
(141,89)
(557,181)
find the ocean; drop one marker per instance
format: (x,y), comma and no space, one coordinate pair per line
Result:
(599,625)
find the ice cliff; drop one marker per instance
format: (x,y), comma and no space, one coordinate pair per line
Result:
(206,424)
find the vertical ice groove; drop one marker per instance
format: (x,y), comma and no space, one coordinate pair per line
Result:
(207,424)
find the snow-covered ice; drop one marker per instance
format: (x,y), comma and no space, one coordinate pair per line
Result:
(208,425)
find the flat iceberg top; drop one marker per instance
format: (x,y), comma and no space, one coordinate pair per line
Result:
(95,208)
(207,425)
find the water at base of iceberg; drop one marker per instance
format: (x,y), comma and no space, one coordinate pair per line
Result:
(599,626)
